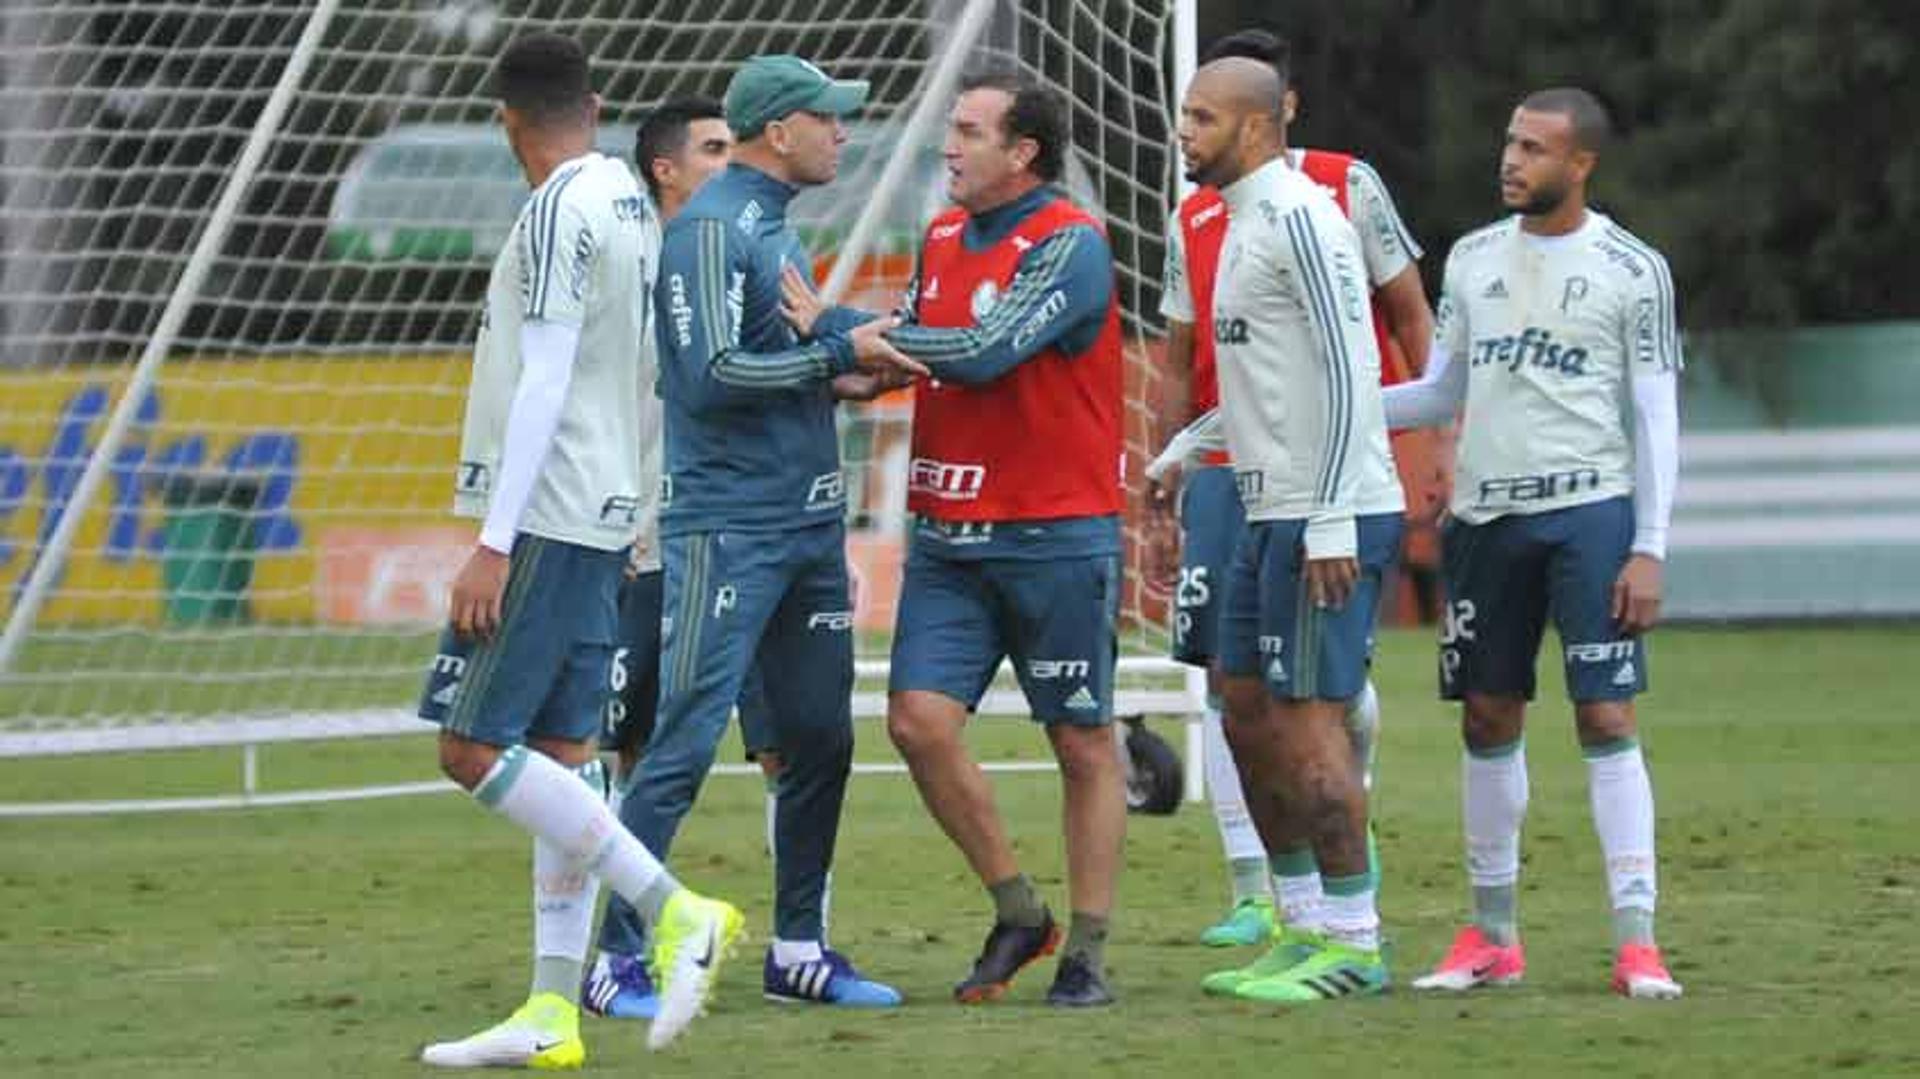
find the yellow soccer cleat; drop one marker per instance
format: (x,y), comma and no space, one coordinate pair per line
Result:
(694,937)
(543,1033)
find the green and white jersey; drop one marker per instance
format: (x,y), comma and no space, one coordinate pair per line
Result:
(1299,368)
(1551,331)
(583,253)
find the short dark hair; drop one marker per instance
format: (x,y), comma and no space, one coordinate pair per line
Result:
(1037,112)
(1263,45)
(543,75)
(665,131)
(1592,125)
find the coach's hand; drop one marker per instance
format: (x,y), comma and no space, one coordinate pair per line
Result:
(867,385)
(873,352)
(1330,581)
(1636,595)
(800,305)
(476,594)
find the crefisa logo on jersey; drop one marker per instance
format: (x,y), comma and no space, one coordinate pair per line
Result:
(984,297)
(1531,347)
(680,310)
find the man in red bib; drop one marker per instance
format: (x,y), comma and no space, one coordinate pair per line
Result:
(1016,484)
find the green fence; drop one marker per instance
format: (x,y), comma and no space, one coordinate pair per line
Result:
(1800,475)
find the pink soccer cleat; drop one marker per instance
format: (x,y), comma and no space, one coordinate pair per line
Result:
(1474,961)
(1639,973)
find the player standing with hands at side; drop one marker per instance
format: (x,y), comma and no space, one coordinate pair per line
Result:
(552,457)
(1558,336)
(1299,373)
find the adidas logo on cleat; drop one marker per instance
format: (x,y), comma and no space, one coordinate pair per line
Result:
(1082,701)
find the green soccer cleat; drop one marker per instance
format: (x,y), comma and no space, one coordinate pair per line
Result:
(1291,947)
(1335,971)
(544,1034)
(1251,921)
(694,936)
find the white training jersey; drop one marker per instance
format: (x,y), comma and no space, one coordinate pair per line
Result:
(583,252)
(1299,367)
(1551,331)
(1386,246)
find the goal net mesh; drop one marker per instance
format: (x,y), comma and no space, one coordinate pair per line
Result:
(273,538)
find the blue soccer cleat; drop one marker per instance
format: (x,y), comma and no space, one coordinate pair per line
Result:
(619,987)
(830,979)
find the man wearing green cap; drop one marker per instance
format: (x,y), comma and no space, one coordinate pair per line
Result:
(752,517)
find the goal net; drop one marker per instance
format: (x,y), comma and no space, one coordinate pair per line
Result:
(270,536)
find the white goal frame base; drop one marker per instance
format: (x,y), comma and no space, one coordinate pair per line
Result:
(249,733)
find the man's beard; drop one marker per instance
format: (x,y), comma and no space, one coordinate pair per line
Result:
(1541,201)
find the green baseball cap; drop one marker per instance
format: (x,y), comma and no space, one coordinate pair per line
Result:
(767,88)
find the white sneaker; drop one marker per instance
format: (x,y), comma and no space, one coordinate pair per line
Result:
(544,1033)
(694,937)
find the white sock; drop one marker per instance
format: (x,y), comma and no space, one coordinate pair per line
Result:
(1298,892)
(1351,916)
(1363,729)
(1622,799)
(1494,805)
(564,890)
(788,952)
(536,793)
(1237,833)
(1494,795)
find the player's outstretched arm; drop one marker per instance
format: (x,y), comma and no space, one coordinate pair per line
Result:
(1436,396)
(1430,400)
(1062,284)
(701,332)
(810,315)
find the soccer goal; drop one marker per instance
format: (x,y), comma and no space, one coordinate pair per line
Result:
(245,248)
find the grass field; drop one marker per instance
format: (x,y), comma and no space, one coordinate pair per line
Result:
(332,941)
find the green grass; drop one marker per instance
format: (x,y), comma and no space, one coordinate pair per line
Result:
(332,941)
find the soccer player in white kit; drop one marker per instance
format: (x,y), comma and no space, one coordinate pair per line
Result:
(1300,406)
(554,461)
(1280,888)
(1557,335)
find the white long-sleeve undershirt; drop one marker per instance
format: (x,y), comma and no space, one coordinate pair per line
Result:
(547,350)
(1430,400)
(1656,459)
(1205,434)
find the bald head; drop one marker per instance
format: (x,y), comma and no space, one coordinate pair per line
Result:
(1233,120)
(1244,85)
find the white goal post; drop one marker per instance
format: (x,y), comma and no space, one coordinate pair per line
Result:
(243,250)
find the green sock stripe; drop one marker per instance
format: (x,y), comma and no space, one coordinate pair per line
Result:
(1298,862)
(594,775)
(1494,753)
(505,772)
(1612,748)
(1356,884)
